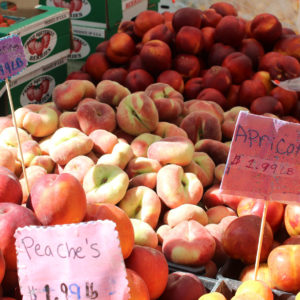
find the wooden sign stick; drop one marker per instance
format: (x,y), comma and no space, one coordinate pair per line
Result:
(17,132)
(260,239)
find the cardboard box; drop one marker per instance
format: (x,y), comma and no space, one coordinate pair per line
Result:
(166,5)
(34,86)
(44,31)
(86,39)
(105,13)
(131,8)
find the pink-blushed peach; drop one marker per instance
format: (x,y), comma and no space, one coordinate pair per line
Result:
(142,142)
(104,141)
(115,74)
(141,165)
(211,94)
(7,159)
(189,40)
(208,37)
(188,65)
(167,129)
(218,52)
(96,64)
(172,78)
(159,32)
(68,119)
(193,87)
(162,231)
(44,161)
(138,79)
(175,187)
(224,8)
(210,18)
(217,77)
(217,213)
(30,149)
(186,16)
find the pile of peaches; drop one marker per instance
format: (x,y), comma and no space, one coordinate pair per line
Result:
(150,154)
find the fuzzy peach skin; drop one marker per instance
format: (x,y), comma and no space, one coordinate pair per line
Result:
(38,120)
(68,119)
(162,232)
(120,156)
(92,115)
(141,143)
(68,94)
(142,203)
(172,150)
(105,183)
(30,149)
(78,166)
(67,143)
(7,159)
(168,101)
(68,199)
(144,234)
(111,92)
(104,141)
(8,138)
(174,187)
(6,121)
(44,161)
(185,212)
(203,166)
(167,129)
(137,114)
(189,243)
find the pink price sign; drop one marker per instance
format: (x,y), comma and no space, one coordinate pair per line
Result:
(264,159)
(12,56)
(71,262)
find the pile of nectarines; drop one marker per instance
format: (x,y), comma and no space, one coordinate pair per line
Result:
(141,135)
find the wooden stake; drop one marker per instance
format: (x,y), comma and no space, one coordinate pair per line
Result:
(17,132)
(260,240)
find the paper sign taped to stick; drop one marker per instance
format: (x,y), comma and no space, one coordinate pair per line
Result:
(264,159)
(76,261)
(12,56)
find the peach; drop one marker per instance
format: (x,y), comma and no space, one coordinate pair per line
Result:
(172,150)
(138,80)
(5,121)
(183,285)
(79,75)
(30,149)
(67,143)
(101,47)
(287,98)
(230,118)
(265,78)
(219,172)
(142,203)
(230,31)
(253,49)
(259,288)
(224,9)
(120,48)
(172,78)
(68,200)
(137,286)
(239,65)
(232,96)
(68,119)
(217,213)
(280,67)
(174,187)
(104,141)
(266,104)
(189,40)
(134,63)
(189,243)
(212,196)
(108,211)
(201,125)
(193,87)
(203,166)
(167,129)
(212,296)
(217,150)
(68,94)
(7,159)
(162,232)
(115,74)
(111,92)
(137,114)
(168,101)
(186,16)
(210,17)
(38,120)
(288,45)
(266,28)
(145,21)
(152,266)
(250,90)
(217,77)
(159,32)
(240,239)
(291,216)
(12,217)
(211,94)
(144,234)
(105,184)
(142,142)
(185,212)
(96,64)
(218,52)
(142,165)
(208,37)
(188,65)
(156,56)
(93,115)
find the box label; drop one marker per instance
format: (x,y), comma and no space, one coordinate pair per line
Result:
(264,159)
(81,48)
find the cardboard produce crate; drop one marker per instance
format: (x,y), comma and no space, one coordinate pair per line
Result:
(34,86)
(44,31)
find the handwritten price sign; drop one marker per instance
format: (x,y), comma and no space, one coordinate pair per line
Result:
(72,262)
(12,56)
(264,159)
